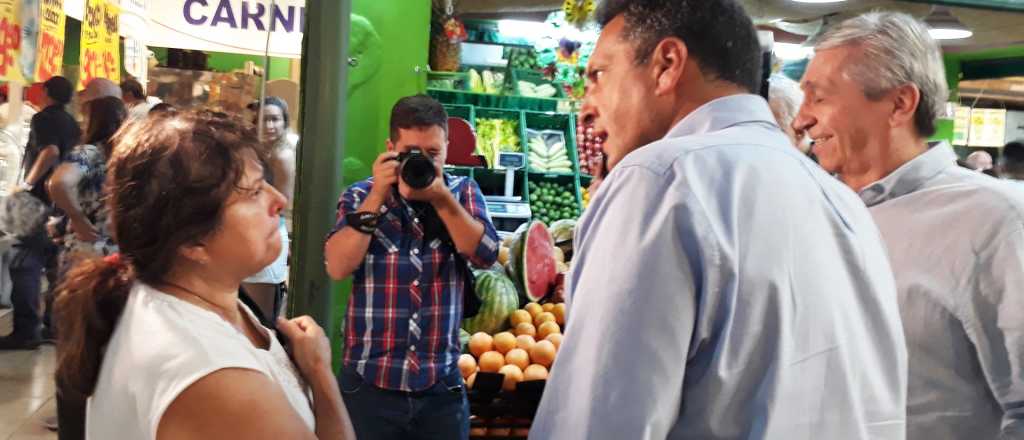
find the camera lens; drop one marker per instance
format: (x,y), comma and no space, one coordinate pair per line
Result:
(418,170)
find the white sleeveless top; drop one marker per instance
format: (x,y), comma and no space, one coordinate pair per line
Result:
(160,347)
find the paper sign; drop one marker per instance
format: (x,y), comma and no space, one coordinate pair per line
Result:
(50,50)
(101,44)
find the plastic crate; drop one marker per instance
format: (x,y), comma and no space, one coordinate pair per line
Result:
(568,182)
(481,113)
(535,78)
(466,112)
(457,81)
(563,122)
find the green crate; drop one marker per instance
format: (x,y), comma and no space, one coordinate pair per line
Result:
(536,78)
(466,112)
(563,122)
(497,113)
(453,81)
(569,182)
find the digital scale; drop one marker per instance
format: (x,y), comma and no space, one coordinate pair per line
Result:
(508,211)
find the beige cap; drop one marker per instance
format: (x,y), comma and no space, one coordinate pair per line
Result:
(99,88)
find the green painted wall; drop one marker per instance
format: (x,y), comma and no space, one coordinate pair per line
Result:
(404,30)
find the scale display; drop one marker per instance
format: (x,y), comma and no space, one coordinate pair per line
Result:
(511,161)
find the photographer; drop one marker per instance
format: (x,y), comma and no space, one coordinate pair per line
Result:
(405,236)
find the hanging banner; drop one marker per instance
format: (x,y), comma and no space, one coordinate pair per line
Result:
(101,44)
(10,41)
(233,26)
(50,49)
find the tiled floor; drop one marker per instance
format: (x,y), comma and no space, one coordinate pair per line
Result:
(26,390)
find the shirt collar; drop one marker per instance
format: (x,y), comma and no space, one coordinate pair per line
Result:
(722,113)
(911,176)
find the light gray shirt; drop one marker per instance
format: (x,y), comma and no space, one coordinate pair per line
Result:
(956,242)
(725,287)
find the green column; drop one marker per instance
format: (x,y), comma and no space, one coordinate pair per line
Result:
(318,175)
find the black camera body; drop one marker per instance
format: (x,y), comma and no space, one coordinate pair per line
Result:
(416,168)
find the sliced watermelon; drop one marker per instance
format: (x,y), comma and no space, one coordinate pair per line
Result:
(535,267)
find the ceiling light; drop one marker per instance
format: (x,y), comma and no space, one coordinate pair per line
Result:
(819,1)
(944,26)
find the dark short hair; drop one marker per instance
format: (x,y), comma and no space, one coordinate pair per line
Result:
(1012,159)
(133,88)
(417,111)
(59,89)
(718,34)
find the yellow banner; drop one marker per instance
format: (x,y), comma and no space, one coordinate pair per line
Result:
(10,41)
(101,44)
(50,50)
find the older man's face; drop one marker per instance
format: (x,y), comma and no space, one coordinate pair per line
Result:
(837,116)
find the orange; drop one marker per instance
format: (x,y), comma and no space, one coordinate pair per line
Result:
(535,372)
(520,316)
(543,317)
(504,341)
(543,353)
(525,342)
(559,312)
(555,338)
(517,357)
(534,309)
(491,362)
(547,307)
(513,375)
(548,328)
(478,432)
(480,343)
(526,328)
(471,380)
(467,365)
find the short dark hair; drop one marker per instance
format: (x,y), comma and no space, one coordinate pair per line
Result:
(417,111)
(133,88)
(718,34)
(59,89)
(1011,161)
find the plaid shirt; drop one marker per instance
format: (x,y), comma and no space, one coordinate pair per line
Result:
(404,314)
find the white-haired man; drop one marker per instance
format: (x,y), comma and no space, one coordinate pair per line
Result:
(955,237)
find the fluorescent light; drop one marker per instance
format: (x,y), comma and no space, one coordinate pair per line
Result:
(527,30)
(944,26)
(790,51)
(950,34)
(819,1)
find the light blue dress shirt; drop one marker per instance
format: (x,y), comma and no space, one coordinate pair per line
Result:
(956,242)
(725,287)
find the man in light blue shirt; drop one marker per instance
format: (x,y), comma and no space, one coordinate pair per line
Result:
(724,286)
(955,237)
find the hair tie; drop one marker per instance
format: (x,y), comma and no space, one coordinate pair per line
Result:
(114,259)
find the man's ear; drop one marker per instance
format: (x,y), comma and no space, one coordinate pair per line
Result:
(668,62)
(390,145)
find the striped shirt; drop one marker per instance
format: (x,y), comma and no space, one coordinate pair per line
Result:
(404,314)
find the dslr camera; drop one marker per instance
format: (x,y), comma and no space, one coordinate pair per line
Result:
(416,168)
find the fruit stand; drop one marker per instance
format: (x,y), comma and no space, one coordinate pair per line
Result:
(509,350)
(525,105)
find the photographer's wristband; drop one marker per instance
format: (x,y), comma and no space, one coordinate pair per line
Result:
(365,222)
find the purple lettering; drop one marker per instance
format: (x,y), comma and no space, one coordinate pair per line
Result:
(187,12)
(289,23)
(224,14)
(256,17)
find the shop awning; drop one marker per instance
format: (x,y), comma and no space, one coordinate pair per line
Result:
(233,26)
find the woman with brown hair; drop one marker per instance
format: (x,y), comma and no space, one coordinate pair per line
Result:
(77,184)
(155,335)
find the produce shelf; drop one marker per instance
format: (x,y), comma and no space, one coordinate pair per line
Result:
(568,183)
(466,112)
(563,122)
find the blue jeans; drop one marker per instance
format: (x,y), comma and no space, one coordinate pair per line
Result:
(440,412)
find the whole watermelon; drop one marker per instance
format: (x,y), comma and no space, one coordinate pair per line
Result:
(498,299)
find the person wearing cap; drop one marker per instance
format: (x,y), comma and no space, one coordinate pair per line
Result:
(53,133)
